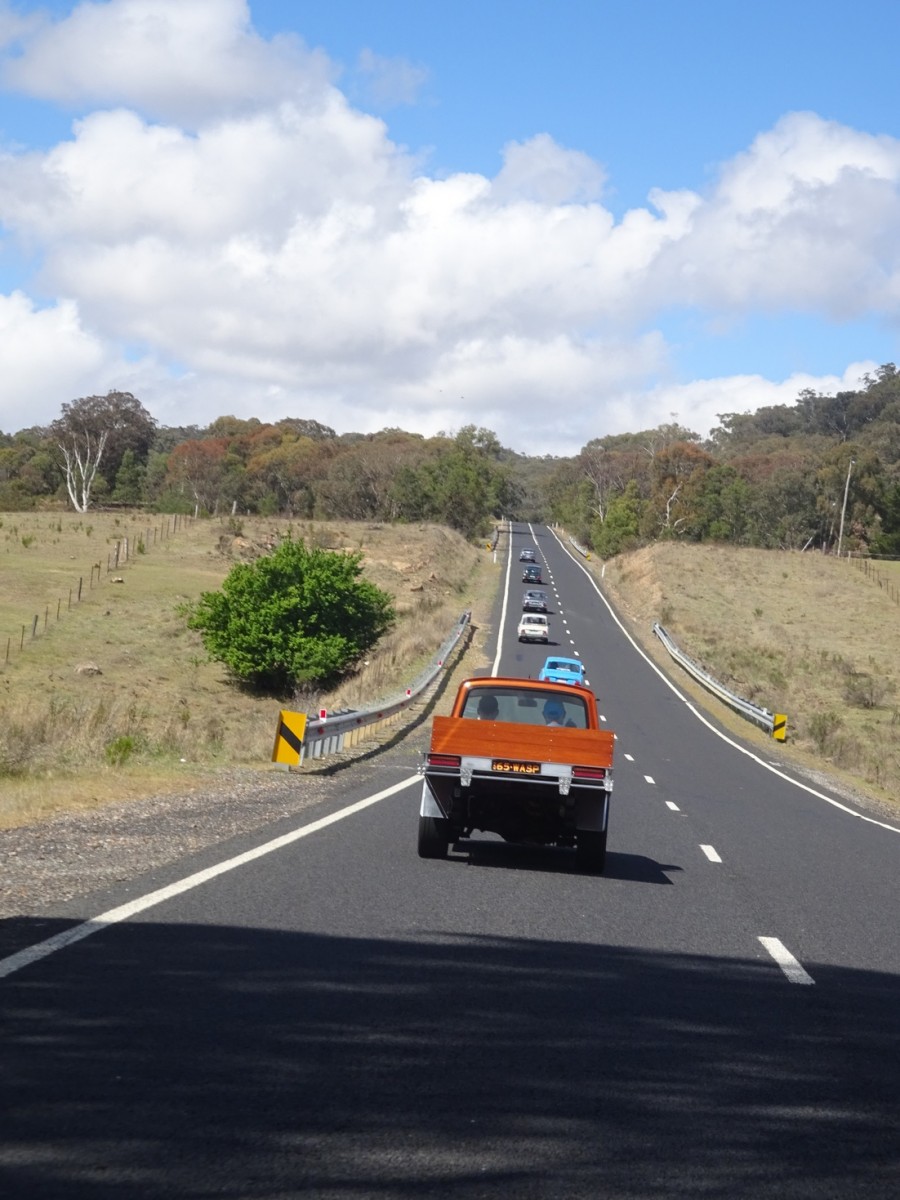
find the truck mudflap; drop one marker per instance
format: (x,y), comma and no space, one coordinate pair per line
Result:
(429,806)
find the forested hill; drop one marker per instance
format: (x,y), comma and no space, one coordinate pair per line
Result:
(823,472)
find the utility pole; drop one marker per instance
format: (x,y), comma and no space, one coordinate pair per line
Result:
(844,506)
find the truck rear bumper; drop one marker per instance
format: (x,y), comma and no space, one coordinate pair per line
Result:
(544,810)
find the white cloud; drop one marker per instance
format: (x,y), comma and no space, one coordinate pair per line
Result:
(184,60)
(46,358)
(388,82)
(699,404)
(15,26)
(542,171)
(808,218)
(271,252)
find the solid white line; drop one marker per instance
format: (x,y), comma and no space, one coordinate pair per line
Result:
(650,779)
(31,954)
(786,960)
(710,853)
(674,807)
(495,669)
(709,725)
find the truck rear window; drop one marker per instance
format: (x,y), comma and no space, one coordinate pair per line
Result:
(526,707)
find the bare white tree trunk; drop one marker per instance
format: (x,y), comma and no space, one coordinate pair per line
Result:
(667,523)
(81,462)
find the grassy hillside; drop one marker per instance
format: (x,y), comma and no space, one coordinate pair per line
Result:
(112,695)
(811,636)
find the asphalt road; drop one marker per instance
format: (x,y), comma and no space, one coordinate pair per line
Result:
(322,1013)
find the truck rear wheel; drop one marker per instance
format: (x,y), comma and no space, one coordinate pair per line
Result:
(434,837)
(590,851)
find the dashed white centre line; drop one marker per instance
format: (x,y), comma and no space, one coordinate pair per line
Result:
(628,757)
(710,853)
(674,807)
(786,961)
(649,779)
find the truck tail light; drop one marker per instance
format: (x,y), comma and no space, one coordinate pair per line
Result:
(444,760)
(588,772)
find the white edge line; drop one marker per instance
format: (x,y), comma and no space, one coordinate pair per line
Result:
(32,954)
(709,725)
(509,536)
(786,960)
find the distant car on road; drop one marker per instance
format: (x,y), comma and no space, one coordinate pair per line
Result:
(534,627)
(526,555)
(534,602)
(562,670)
(532,575)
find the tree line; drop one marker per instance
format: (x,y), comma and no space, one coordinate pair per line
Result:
(823,472)
(109,450)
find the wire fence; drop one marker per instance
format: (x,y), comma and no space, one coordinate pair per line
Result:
(126,550)
(889,582)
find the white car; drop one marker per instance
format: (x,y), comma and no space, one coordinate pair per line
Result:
(534,627)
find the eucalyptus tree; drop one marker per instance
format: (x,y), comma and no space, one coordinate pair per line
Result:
(95,429)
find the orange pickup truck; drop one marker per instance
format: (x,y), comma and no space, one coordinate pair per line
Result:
(521,758)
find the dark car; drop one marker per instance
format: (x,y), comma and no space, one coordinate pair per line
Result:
(534,602)
(526,555)
(532,575)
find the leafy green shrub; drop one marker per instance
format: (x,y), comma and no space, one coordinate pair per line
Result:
(120,749)
(295,616)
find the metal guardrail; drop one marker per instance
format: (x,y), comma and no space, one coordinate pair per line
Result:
(582,550)
(760,716)
(331,735)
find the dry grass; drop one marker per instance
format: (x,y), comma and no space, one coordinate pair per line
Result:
(810,636)
(158,717)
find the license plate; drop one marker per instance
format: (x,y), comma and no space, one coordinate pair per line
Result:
(509,767)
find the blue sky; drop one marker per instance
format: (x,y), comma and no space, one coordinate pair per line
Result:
(560,221)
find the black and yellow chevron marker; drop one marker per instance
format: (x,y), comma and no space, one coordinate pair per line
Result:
(779,727)
(289,737)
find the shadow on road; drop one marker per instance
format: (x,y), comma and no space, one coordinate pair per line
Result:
(159,1061)
(513,856)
